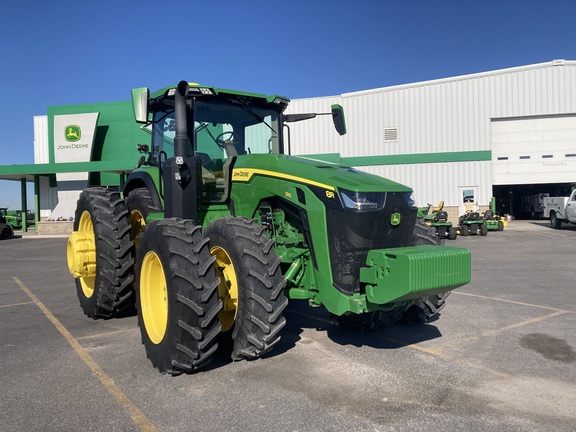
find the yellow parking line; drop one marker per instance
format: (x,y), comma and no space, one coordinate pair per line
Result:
(16,304)
(137,416)
(500,330)
(436,353)
(105,334)
(509,301)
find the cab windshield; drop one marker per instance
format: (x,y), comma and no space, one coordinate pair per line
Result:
(222,129)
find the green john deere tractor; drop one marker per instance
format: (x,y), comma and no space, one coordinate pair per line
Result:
(218,226)
(438,219)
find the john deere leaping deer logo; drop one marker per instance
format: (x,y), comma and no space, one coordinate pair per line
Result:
(395,219)
(72,133)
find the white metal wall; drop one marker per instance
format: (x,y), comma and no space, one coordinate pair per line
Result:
(447,115)
(48,195)
(41,154)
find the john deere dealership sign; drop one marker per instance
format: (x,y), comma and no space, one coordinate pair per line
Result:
(73,140)
(74,136)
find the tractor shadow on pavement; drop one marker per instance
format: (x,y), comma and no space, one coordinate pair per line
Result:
(300,317)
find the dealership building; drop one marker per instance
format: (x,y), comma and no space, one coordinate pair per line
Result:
(508,134)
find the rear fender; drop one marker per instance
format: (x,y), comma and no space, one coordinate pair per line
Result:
(140,179)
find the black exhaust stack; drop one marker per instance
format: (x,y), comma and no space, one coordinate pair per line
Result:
(182,174)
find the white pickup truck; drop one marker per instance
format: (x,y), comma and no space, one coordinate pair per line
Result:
(560,209)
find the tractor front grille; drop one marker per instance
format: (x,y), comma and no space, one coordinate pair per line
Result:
(352,234)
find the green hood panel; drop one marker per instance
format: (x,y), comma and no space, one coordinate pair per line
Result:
(312,172)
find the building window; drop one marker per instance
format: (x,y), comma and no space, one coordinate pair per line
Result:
(570,155)
(524,157)
(547,156)
(503,158)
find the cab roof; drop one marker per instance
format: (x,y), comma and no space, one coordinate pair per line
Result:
(209,90)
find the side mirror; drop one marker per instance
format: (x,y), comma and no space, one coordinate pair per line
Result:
(140,98)
(338,118)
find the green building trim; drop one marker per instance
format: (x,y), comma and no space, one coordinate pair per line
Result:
(404,159)
(418,158)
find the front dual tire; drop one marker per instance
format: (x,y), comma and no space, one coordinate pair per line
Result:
(177,296)
(193,293)
(251,286)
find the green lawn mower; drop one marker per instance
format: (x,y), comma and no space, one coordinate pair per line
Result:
(438,219)
(471,224)
(493,221)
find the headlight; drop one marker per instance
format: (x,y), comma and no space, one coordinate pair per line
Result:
(362,200)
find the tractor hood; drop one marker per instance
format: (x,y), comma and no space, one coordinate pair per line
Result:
(312,172)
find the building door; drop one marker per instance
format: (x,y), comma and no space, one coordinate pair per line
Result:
(533,150)
(468,197)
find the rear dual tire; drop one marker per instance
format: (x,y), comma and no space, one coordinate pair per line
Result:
(107,292)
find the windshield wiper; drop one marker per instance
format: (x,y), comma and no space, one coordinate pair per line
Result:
(204,126)
(256,116)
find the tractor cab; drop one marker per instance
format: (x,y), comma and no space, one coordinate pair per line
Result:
(221,125)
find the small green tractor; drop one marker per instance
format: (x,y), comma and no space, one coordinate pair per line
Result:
(6,230)
(437,218)
(10,218)
(14,217)
(218,226)
(471,224)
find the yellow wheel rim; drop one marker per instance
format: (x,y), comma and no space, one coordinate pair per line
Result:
(228,288)
(137,223)
(154,297)
(82,252)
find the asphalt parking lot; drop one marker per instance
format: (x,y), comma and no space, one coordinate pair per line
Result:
(500,358)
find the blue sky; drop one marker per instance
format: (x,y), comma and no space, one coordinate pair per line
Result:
(66,52)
